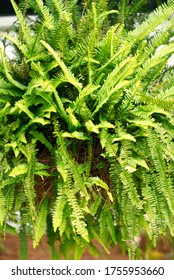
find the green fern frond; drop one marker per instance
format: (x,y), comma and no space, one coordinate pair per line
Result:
(26,31)
(2,208)
(160,166)
(97,181)
(107,143)
(148,110)
(44,12)
(131,224)
(23,106)
(40,137)
(150,206)
(161,54)
(29,183)
(69,76)
(18,170)
(96,204)
(155,18)
(58,210)
(111,226)
(9,197)
(97,237)
(70,164)
(5,110)
(40,223)
(77,217)
(103,226)
(135,6)
(21,46)
(123,10)
(122,70)
(127,181)
(60,7)
(7,89)
(23,246)
(76,134)
(9,76)
(160,37)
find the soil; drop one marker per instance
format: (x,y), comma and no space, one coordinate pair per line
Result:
(9,250)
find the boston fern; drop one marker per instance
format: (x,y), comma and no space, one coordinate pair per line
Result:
(87,125)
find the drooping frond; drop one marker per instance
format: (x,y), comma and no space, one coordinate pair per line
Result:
(40,223)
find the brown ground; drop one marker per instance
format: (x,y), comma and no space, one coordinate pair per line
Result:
(9,250)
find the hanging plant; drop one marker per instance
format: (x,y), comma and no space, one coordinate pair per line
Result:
(86,139)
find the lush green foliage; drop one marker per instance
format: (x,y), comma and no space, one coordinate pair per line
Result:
(86,139)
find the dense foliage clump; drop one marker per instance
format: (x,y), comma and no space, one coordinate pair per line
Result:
(87,125)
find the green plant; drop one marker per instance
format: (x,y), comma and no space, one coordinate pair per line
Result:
(86,139)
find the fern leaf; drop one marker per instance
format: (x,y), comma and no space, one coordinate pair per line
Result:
(73,122)
(156,18)
(6,109)
(106,141)
(40,223)
(23,246)
(29,183)
(27,34)
(103,226)
(98,182)
(124,69)
(40,137)
(97,237)
(95,205)
(91,127)
(77,217)
(69,76)
(21,46)
(9,197)
(135,6)
(140,161)
(156,59)
(83,93)
(164,185)
(128,184)
(2,208)
(22,105)
(76,134)
(105,124)
(61,167)
(71,165)
(143,123)
(60,8)
(58,213)
(147,110)
(124,136)
(149,206)
(111,225)
(18,170)
(45,14)
(40,120)
(9,76)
